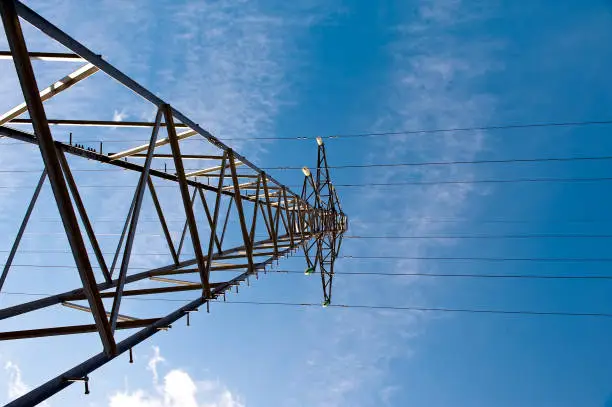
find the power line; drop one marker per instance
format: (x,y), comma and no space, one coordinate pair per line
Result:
(461,275)
(428,163)
(384,165)
(431,309)
(434,131)
(424,219)
(371,307)
(387,184)
(492,181)
(388,133)
(489,259)
(385,274)
(507,236)
(359,257)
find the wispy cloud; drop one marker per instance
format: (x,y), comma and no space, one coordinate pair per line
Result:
(16,386)
(153,362)
(231,64)
(179,389)
(436,80)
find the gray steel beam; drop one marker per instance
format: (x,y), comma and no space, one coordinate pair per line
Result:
(186,225)
(56,299)
(60,36)
(83,213)
(215,218)
(95,123)
(209,217)
(66,82)
(27,80)
(225,221)
(162,220)
(46,56)
(243,226)
(24,223)
(59,383)
(180,172)
(138,196)
(92,155)
(270,223)
(70,330)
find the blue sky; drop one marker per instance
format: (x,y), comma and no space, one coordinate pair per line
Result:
(309,67)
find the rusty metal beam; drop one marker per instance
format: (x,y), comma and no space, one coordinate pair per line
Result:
(87,309)
(27,80)
(71,330)
(162,220)
(61,85)
(76,196)
(24,223)
(97,123)
(270,222)
(180,172)
(47,56)
(137,203)
(209,217)
(215,218)
(238,199)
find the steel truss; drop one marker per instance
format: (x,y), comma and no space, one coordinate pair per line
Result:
(328,222)
(313,219)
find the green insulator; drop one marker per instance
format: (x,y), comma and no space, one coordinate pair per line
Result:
(325,303)
(309,271)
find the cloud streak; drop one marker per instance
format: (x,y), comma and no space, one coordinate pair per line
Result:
(16,386)
(179,389)
(436,81)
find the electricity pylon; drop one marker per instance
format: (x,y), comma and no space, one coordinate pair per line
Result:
(327,225)
(310,220)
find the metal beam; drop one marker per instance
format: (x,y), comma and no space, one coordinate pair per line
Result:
(183,156)
(243,226)
(59,383)
(162,142)
(95,123)
(56,299)
(206,171)
(162,220)
(180,172)
(87,309)
(93,155)
(47,56)
(227,215)
(70,330)
(24,223)
(184,232)
(138,196)
(66,82)
(27,80)
(61,37)
(215,219)
(209,217)
(76,197)
(272,229)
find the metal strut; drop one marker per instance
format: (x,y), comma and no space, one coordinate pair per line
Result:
(312,220)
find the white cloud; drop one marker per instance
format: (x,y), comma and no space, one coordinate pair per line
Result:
(178,390)
(16,386)
(153,362)
(119,116)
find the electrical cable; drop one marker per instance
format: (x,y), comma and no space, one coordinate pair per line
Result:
(385,165)
(388,133)
(372,307)
(387,184)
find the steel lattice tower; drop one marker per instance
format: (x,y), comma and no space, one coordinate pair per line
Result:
(312,220)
